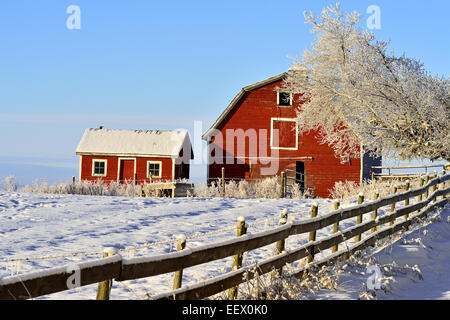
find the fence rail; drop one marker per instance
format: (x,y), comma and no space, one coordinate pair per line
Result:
(404,175)
(117,268)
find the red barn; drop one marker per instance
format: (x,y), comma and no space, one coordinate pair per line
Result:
(257,137)
(134,155)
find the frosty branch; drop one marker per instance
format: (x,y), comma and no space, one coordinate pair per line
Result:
(359,94)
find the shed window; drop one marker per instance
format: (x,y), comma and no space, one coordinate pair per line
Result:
(99,168)
(154,169)
(284,99)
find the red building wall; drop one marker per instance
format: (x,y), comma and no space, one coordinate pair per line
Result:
(254,111)
(112,170)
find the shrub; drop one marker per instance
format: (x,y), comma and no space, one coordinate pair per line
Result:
(268,188)
(351,189)
(9,184)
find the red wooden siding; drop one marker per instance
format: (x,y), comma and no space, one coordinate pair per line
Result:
(255,111)
(114,174)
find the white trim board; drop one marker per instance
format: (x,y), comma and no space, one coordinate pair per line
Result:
(271,133)
(105,161)
(160,168)
(291,97)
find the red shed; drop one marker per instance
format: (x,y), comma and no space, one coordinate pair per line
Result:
(257,137)
(126,155)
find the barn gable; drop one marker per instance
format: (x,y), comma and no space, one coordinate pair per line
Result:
(256,136)
(238,98)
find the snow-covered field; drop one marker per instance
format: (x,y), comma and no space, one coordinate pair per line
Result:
(414,265)
(40,226)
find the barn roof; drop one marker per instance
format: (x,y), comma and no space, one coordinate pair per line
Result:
(238,97)
(163,143)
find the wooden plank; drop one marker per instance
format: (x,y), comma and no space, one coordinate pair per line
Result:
(141,267)
(178,277)
(104,287)
(371,239)
(134,269)
(53,280)
(237,259)
(317,246)
(223,282)
(336,206)
(409,167)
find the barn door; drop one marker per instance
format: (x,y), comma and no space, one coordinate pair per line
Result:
(126,171)
(300,175)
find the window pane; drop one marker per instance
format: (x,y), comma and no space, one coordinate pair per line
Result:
(153,169)
(99,167)
(284,99)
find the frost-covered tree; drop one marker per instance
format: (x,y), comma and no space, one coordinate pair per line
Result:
(357,93)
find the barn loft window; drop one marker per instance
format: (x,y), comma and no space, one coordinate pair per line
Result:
(283,134)
(154,169)
(99,168)
(284,99)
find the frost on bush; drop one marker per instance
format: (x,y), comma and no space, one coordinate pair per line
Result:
(10,184)
(97,188)
(351,189)
(286,285)
(268,188)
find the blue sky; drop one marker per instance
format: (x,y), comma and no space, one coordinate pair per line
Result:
(159,65)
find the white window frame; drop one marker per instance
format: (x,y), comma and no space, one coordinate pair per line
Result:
(271,133)
(105,161)
(290,99)
(160,168)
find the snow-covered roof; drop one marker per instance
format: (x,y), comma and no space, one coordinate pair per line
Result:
(164,143)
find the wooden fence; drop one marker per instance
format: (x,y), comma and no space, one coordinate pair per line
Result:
(114,267)
(403,175)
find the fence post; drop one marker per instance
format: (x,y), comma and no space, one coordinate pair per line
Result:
(223,181)
(375,212)
(360,217)
(408,186)
(73,185)
(435,186)
(237,259)
(282,184)
(419,197)
(393,207)
(281,243)
(104,287)
(312,234)
(336,205)
(427,179)
(181,245)
(443,184)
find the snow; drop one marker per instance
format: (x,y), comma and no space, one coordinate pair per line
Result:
(414,265)
(35,225)
(133,142)
(56,231)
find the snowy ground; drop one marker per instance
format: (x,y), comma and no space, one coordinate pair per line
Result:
(414,265)
(42,225)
